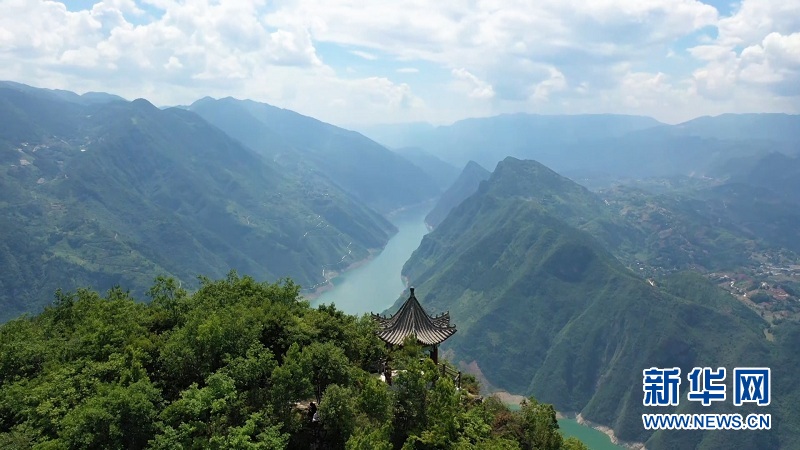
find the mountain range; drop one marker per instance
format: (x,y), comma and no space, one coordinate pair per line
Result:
(371,173)
(543,307)
(604,245)
(604,145)
(100,191)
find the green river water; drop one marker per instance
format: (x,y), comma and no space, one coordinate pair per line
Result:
(377,284)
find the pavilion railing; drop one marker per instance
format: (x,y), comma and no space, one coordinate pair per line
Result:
(451,373)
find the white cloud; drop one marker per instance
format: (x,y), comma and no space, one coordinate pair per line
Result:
(472,85)
(758,47)
(516,51)
(480,56)
(213,41)
(366,55)
(556,82)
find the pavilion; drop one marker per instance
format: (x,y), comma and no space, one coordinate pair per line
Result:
(411,319)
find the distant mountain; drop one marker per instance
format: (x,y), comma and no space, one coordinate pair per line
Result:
(370,172)
(442,173)
(768,127)
(119,192)
(490,139)
(466,185)
(543,308)
(87,98)
(613,146)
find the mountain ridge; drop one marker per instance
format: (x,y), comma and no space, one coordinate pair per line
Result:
(584,326)
(367,170)
(119,192)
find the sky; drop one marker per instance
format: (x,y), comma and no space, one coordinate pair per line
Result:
(359,62)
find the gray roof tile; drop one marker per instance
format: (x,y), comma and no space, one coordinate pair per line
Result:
(411,319)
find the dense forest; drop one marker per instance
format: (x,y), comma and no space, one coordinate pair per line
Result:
(234,366)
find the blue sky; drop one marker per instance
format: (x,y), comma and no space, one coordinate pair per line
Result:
(352,62)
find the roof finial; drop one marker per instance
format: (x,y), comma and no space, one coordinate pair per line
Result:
(412,291)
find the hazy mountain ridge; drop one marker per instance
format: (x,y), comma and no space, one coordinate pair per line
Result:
(606,145)
(370,172)
(119,192)
(87,98)
(775,127)
(775,171)
(466,185)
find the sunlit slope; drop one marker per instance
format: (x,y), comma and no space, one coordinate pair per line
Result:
(120,192)
(543,308)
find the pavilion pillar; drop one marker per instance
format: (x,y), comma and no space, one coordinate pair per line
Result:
(435,354)
(387,374)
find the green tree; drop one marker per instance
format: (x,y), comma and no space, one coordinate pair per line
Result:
(539,426)
(368,438)
(120,417)
(443,413)
(411,399)
(572,443)
(374,400)
(337,412)
(326,364)
(289,383)
(202,413)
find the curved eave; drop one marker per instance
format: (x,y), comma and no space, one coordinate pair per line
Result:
(434,336)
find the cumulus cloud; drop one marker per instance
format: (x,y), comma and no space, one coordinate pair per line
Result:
(554,83)
(203,39)
(479,56)
(758,46)
(472,85)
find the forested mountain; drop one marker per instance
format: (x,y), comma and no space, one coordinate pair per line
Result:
(370,172)
(719,226)
(234,366)
(612,146)
(748,222)
(544,308)
(466,185)
(118,192)
(558,291)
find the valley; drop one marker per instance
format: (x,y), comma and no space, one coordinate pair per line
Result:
(563,288)
(374,285)
(578,224)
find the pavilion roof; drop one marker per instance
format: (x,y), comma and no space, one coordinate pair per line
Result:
(411,319)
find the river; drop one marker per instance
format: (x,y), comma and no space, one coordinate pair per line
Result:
(375,285)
